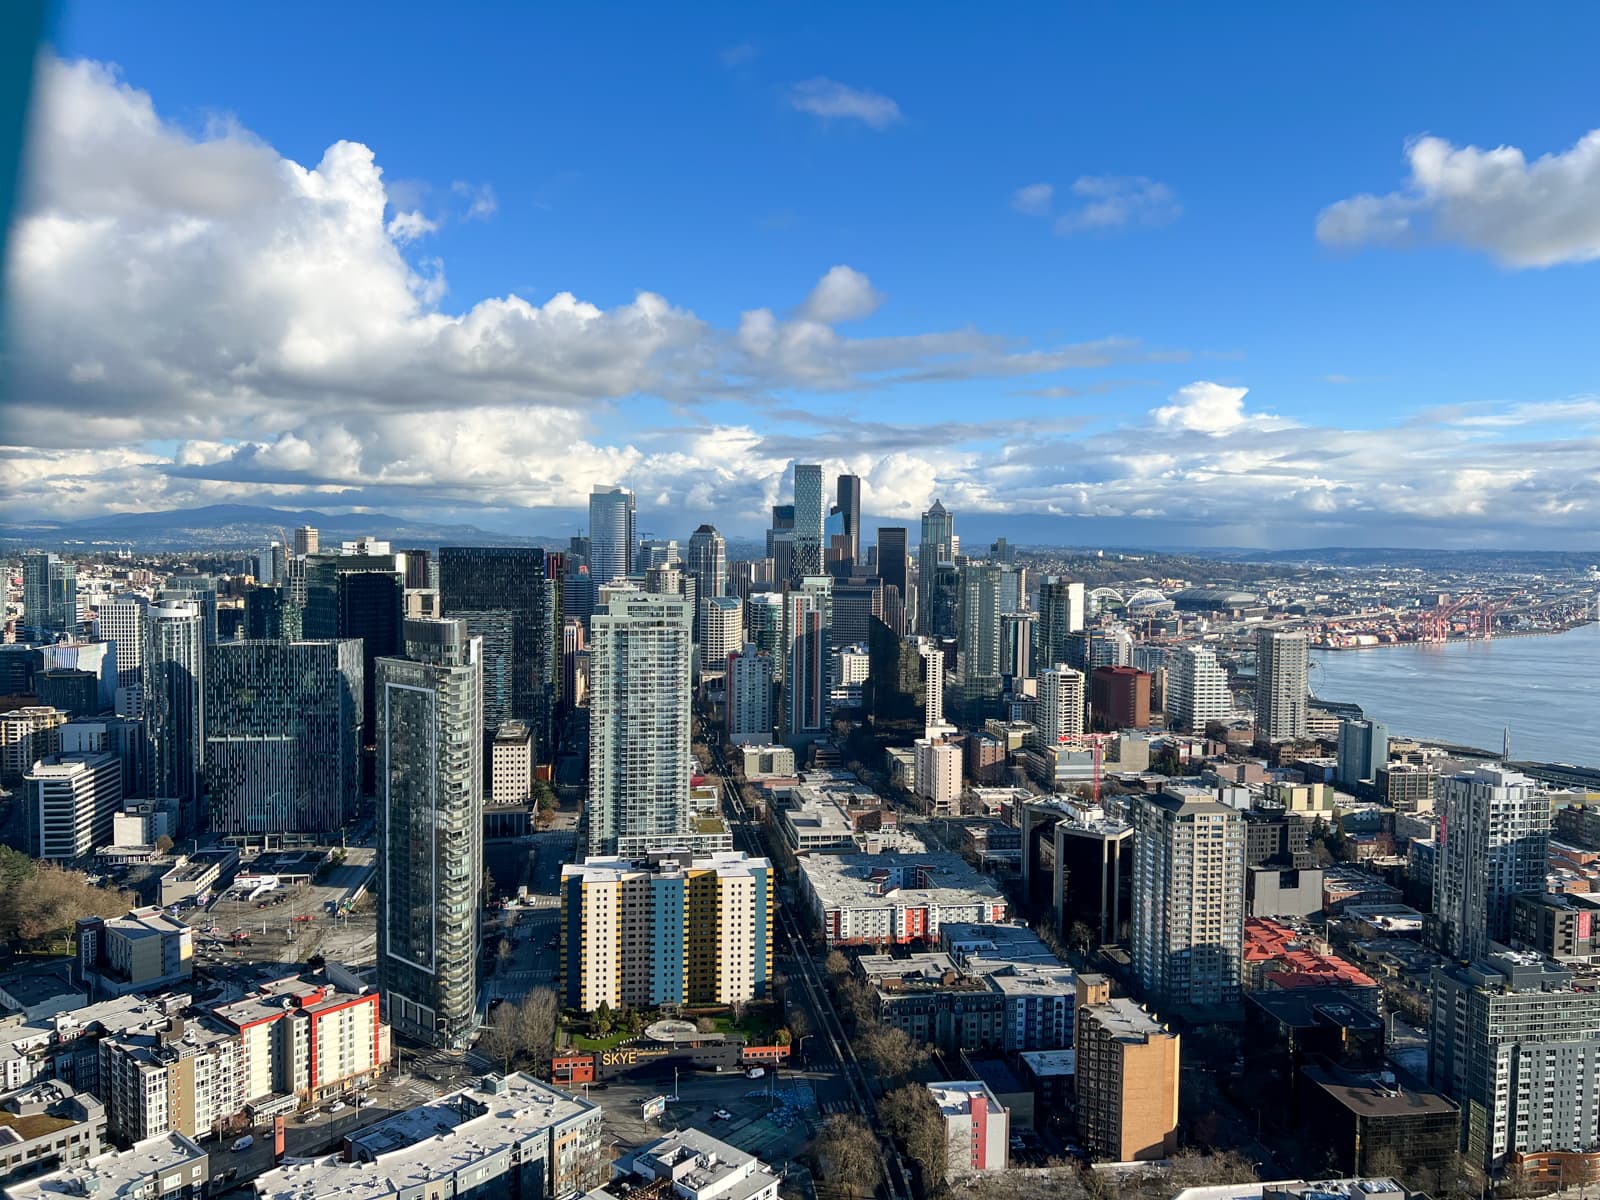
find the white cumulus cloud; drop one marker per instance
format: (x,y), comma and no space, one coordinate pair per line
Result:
(1111,202)
(1033,199)
(1523,214)
(831,100)
(843,294)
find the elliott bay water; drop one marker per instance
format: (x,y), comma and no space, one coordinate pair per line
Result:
(1547,689)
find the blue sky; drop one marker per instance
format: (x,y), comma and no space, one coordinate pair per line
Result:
(1102,272)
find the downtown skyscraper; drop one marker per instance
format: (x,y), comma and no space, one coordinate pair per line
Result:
(937,546)
(847,504)
(174,704)
(807,625)
(430,832)
(641,659)
(809,516)
(610,534)
(49,595)
(503,595)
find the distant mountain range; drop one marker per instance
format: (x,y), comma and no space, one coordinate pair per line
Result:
(252,527)
(245,527)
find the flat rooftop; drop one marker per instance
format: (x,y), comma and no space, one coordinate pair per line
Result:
(430,1142)
(1125,1021)
(119,1173)
(1373,1095)
(875,880)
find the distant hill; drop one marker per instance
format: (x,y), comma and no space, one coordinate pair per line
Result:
(1425,558)
(248,526)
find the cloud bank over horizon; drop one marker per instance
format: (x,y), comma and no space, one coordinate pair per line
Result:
(197,318)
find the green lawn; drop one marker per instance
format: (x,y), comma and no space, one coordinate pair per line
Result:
(582,1041)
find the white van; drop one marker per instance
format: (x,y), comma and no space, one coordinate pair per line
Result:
(244,1143)
(755,1072)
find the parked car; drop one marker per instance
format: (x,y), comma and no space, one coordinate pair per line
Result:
(755,1072)
(337,1106)
(244,1143)
(722,1114)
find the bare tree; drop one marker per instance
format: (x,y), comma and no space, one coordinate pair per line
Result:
(846,1154)
(799,1024)
(836,964)
(705,1025)
(911,1115)
(890,1051)
(536,1025)
(499,1038)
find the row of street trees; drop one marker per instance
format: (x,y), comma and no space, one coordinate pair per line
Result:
(523,1031)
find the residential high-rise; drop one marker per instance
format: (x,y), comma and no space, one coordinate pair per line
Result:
(640,666)
(1100,646)
(1017,633)
(122,621)
(938,764)
(1060,613)
(748,684)
(610,534)
(306,541)
(28,734)
(1517,1046)
(1061,700)
(893,566)
(936,546)
(283,736)
(174,704)
(1189,900)
(1493,843)
(1126,1077)
(708,562)
(202,589)
(430,832)
(501,594)
(1119,698)
(721,630)
(1282,663)
(979,611)
(70,800)
(764,627)
(1197,690)
(809,514)
(656,552)
(668,929)
(1363,749)
(49,594)
(807,613)
(848,490)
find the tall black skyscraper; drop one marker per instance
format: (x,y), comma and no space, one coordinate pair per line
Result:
(356,596)
(502,594)
(892,558)
(849,507)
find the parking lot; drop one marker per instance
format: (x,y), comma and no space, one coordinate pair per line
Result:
(291,923)
(770,1117)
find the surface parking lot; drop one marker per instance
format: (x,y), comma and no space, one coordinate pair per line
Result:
(770,1117)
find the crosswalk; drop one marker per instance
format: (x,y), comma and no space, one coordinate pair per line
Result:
(840,1105)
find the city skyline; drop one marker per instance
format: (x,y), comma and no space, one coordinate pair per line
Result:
(1052,364)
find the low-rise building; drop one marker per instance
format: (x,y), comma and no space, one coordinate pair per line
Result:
(895,899)
(1366,1118)
(1276,956)
(46,1126)
(1562,926)
(512,1137)
(768,762)
(145,951)
(977,1127)
(934,1003)
(169,1166)
(689,1165)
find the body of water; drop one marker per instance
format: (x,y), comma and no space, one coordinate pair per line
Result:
(1547,689)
